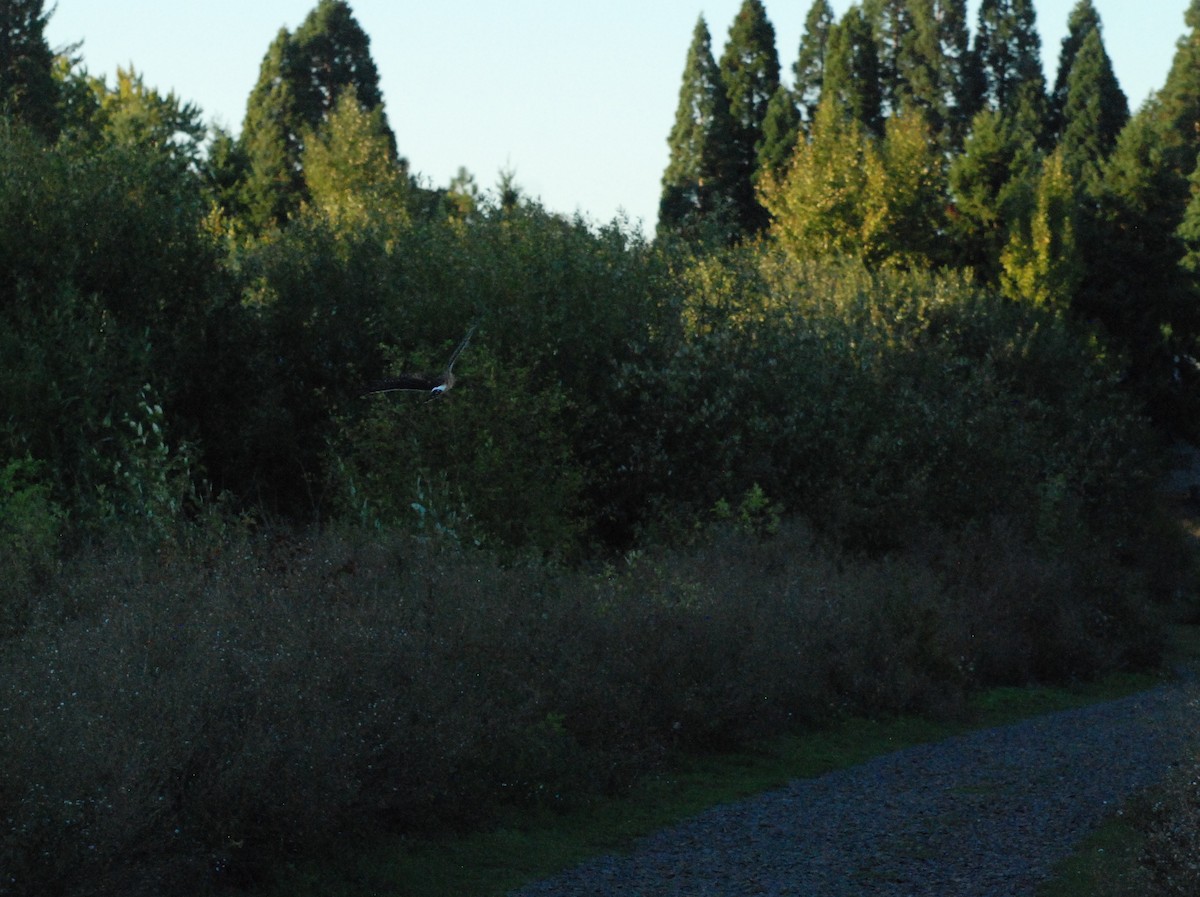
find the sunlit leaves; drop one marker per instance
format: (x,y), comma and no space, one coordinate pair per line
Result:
(352,173)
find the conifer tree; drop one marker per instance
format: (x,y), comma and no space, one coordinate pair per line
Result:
(1179,104)
(1133,283)
(1082,21)
(809,70)
(940,69)
(300,80)
(781,130)
(695,198)
(750,72)
(270,140)
(1009,51)
(1095,110)
(989,181)
(27,86)
(892,27)
(852,71)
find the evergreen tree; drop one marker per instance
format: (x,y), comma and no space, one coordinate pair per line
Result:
(1083,20)
(694,198)
(750,72)
(852,71)
(300,80)
(1095,110)
(1009,52)
(892,27)
(809,70)
(330,53)
(270,140)
(1133,283)
(939,68)
(27,86)
(1179,104)
(781,130)
(1189,229)
(989,183)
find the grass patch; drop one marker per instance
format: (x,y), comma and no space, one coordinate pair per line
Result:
(525,847)
(1105,865)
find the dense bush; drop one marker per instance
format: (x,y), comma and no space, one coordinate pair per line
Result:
(195,714)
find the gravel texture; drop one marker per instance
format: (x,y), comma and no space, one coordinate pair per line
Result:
(988,814)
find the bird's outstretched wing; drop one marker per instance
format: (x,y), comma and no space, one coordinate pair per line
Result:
(403,383)
(457,352)
(436,386)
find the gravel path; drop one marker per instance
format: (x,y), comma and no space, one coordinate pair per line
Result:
(988,814)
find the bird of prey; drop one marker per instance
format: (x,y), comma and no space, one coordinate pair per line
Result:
(434,386)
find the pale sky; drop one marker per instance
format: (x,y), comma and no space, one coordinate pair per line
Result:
(576,98)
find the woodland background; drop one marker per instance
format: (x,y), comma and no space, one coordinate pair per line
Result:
(874,419)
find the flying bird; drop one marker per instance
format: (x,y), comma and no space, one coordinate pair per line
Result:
(434,386)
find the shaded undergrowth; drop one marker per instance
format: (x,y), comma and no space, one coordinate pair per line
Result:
(199,714)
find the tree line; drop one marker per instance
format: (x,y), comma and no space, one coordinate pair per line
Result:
(907,139)
(188,316)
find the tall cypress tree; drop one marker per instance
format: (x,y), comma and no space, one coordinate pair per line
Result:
(1180,102)
(809,70)
(300,80)
(892,27)
(781,130)
(852,72)
(1009,51)
(750,73)
(1133,284)
(1094,112)
(27,86)
(695,194)
(1082,21)
(270,141)
(940,69)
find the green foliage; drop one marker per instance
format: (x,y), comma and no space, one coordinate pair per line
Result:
(845,194)
(1041,262)
(749,70)
(108,285)
(300,81)
(351,170)
(150,482)
(27,86)
(30,525)
(696,199)
(851,78)
(489,464)
(781,130)
(130,114)
(939,70)
(989,182)
(1094,110)
(904,221)
(1082,21)
(818,208)
(1009,52)
(809,70)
